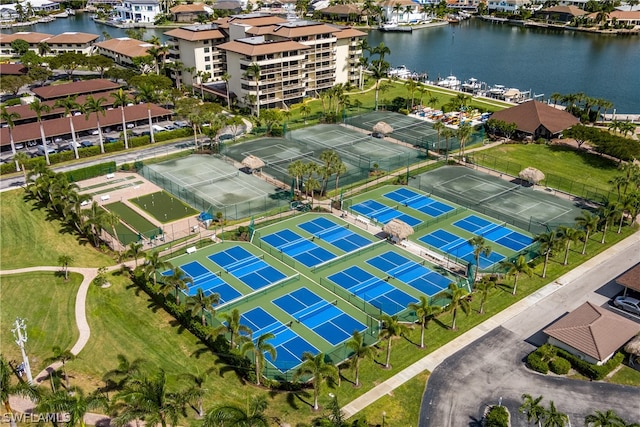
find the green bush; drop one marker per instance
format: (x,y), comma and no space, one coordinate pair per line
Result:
(560,366)
(172,134)
(139,141)
(535,362)
(595,372)
(90,171)
(497,417)
(12,102)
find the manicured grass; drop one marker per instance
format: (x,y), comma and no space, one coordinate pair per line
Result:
(47,303)
(626,376)
(133,219)
(565,168)
(163,206)
(28,238)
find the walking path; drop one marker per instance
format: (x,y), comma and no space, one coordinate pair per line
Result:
(432,360)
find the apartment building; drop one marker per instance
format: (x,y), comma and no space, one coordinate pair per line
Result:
(60,43)
(123,49)
(196,46)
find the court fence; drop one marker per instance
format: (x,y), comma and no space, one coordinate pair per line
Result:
(569,186)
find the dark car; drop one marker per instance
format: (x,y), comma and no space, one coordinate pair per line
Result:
(86,144)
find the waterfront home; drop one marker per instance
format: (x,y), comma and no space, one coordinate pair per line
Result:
(630,18)
(401,11)
(190,12)
(343,12)
(505,5)
(559,14)
(139,10)
(535,120)
(123,50)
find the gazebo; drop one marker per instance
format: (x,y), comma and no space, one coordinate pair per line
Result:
(398,230)
(382,127)
(531,175)
(252,162)
(633,348)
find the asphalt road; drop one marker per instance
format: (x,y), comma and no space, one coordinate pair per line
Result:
(492,368)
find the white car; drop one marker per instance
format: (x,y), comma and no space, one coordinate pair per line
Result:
(629,304)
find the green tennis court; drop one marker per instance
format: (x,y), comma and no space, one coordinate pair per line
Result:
(163,206)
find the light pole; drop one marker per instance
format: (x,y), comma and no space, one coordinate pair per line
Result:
(384,416)
(20,334)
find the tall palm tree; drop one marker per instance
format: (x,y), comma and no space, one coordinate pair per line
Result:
(480,248)
(11,388)
(554,418)
(439,127)
(458,301)
(70,105)
(296,170)
(319,370)
(360,351)
(483,287)
(9,117)
(121,99)
(64,260)
(532,408)
(21,159)
(197,391)
(112,220)
(39,108)
(135,250)
(93,105)
(72,402)
(147,94)
(125,370)
(258,348)
(225,78)
(62,356)
(447,133)
(567,235)
(179,281)
(608,213)
(233,415)
(548,243)
(463,133)
(588,222)
(253,71)
(201,303)
(153,263)
(425,313)
(604,419)
(391,329)
(233,325)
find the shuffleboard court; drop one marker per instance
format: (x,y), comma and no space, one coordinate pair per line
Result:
(494,232)
(372,289)
(208,281)
(459,247)
(383,213)
(417,276)
(248,268)
(319,315)
(338,235)
(298,247)
(288,344)
(419,202)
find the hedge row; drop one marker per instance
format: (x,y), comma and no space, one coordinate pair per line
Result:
(562,361)
(90,171)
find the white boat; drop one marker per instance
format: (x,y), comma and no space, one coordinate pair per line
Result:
(450,82)
(496,91)
(401,72)
(393,27)
(472,85)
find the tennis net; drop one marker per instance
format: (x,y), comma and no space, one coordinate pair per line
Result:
(493,196)
(243,263)
(212,180)
(288,160)
(314,309)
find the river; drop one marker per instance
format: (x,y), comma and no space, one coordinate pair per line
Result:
(545,61)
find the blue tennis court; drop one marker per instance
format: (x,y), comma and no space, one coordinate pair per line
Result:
(419,202)
(289,345)
(209,282)
(410,272)
(459,247)
(373,290)
(298,248)
(247,267)
(336,234)
(319,315)
(494,232)
(383,213)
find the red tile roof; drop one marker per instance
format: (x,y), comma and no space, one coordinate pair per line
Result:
(75,88)
(125,46)
(631,279)
(28,36)
(191,35)
(250,49)
(72,37)
(593,330)
(530,115)
(12,69)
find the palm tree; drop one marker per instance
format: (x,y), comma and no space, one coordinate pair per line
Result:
(463,133)
(62,356)
(604,419)
(21,159)
(439,127)
(448,134)
(588,222)
(458,300)
(39,108)
(425,313)
(92,105)
(360,351)
(233,415)
(483,288)
(9,117)
(319,370)
(258,348)
(121,99)
(233,325)
(64,260)
(72,402)
(548,243)
(225,78)
(125,370)
(153,263)
(9,388)
(554,418)
(135,251)
(201,303)
(296,170)
(532,408)
(147,93)
(568,235)
(391,329)
(70,105)
(397,8)
(112,220)
(480,248)
(253,71)
(179,281)
(305,110)
(609,212)
(197,390)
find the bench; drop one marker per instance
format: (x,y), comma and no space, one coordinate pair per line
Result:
(191,249)
(105,197)
(110,175)
(362,219)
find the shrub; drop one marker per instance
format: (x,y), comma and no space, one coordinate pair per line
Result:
(535,362)
(90,171)
(560,366)
(139,141)
(595,372)
(497,417)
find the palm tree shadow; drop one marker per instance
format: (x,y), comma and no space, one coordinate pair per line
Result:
(475,422)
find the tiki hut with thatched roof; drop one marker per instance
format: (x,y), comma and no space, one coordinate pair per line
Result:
(398,230)
(532,175)
(252,162)
(633,348)
(383,128)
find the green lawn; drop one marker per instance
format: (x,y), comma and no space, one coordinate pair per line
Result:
(163,206)
(28,238)
(133,219)
(565,168)
(47,303)
(626,376)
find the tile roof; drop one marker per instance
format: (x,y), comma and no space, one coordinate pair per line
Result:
(392,3)
(631,279)
(530,115)
(75,88)
(195,34)
(253,19)
(72,37)
(347,33)
(304,28)
(191,8)
(125,46)
(12,69)
(244,47)
(570,10)
(624,15)
(27,36)
(342,9)
(593,330)
(60,126)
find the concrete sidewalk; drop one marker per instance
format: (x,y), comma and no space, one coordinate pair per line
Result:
(432,360)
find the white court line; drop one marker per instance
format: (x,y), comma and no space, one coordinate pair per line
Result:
(557,216)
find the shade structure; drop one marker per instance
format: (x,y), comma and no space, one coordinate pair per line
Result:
(383,128)
(252,162)
(398,228)
(633,346)
(531,175)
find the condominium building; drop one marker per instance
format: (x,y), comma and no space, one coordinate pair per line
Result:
(60,43)
(123,50)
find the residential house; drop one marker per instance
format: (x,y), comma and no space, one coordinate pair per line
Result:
(401,11)
(631,18)
(506,5)
(139,10)
(560,14)
(190,12)
(123,50)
